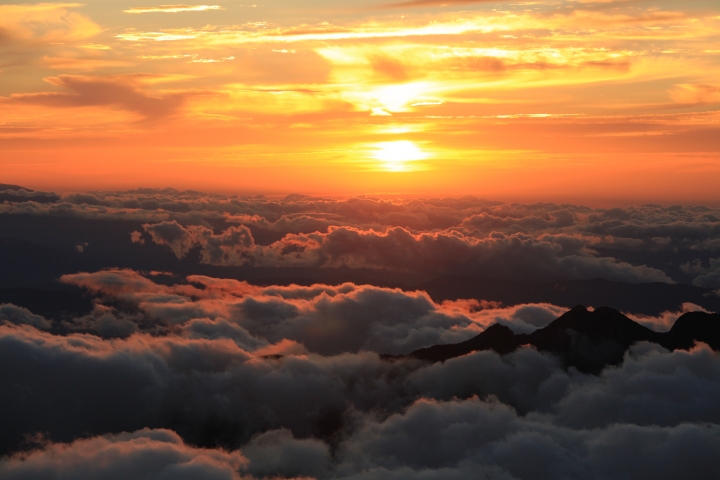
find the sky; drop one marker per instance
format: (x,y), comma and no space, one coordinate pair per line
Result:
(607,102)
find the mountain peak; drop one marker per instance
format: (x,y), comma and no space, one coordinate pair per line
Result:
(692,327)
(6,186)
(587,340)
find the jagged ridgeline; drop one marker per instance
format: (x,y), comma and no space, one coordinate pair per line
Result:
(584,339)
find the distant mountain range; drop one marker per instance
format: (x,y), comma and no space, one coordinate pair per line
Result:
(7,196)
(7,186)
(585,339)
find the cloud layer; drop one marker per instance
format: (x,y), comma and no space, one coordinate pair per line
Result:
(426,237)
(259,403)
(151,454)
(175,369)
(328,320)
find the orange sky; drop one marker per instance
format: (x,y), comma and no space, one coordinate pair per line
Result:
(558,100)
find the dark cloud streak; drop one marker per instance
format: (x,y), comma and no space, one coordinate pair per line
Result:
(123,92)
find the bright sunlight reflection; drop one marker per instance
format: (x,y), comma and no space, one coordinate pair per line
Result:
(395,156)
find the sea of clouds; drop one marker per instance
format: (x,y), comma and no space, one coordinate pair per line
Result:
(216,378)
(423,237)
(173,375)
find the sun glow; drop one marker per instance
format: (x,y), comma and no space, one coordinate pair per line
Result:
(514,102)
(396,156)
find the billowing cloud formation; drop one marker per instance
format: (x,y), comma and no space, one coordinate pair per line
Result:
(218,378)
(474,439)
(22,316)
(328,320)
(151,454)
(107,323)
(420,238)
(382,419)
(498,255)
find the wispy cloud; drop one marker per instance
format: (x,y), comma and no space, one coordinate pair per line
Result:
(173,9)
(123,92)
(433,3)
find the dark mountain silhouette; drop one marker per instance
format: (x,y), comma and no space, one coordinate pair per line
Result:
(7,195)
(587,340)
(7,186)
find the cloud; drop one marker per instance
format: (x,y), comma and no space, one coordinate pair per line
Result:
(21,316)
(445,253)
(561,241)
(283,414)
(150,454)
(696,93)
(651,387)
(124,92)
(328,320)
(277,452)
(431,440)
(466,236)
(487,438)
(173,9)
(486,222)
(643,390)
(173,235)
(106,322)
(665,321)
(241,34)
(420,61)
(205,328)
(80,383)
(83,63)
(44,23)
(519,318)
(711,276)
(114,282)
(325,319)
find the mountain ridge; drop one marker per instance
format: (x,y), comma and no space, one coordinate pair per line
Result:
(588,340)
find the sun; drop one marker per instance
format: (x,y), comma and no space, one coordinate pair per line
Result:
(396,156)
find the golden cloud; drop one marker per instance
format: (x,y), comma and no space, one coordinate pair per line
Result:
(173,9)
(45,23)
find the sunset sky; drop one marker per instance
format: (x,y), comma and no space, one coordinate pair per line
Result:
(542,100)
